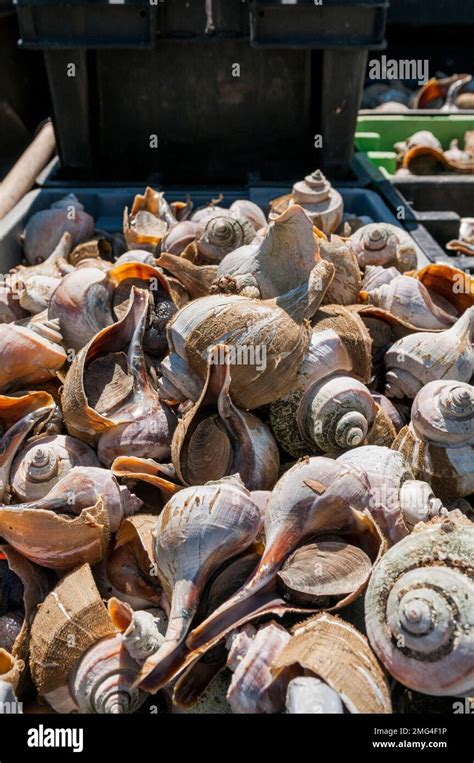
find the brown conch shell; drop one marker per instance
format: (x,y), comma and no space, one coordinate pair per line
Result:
(331,649)
(419,605)
(150,219)
(77,659)
(453,285)
(215,438)
(108,398)
(272,334)
(29,355)
(18,416)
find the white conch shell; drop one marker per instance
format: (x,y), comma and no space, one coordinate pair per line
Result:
(439,441)
(44,461)
(271,266)
(384,244)
(199,529)
(398,501)
(419,606)
(407,298)
(420,358)
(250,690)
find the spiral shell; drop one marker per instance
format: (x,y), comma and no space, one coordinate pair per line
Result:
(439,441)
(44,461)
(222,235)
(322,203)
(419,607)
(384,244)
(103,680)
(18,416)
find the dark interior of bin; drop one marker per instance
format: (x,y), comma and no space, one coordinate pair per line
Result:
(167,93)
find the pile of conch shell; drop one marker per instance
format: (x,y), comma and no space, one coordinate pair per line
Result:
(236,463)
(423,154)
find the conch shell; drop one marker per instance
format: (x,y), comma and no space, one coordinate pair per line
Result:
(408,299)
(108,398)
(215,439)
(418,608)
(45,229)
(150,219)
(439,441)
(281,261)
(78,660)
(89,299)
(322,203)
(420,358)
(18,416)
(398,500)
(199,529)
(384,244)
(29,355)
(272,334)
(92,505)
(43,461)
(329,648)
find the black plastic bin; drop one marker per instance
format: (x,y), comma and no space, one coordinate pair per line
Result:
(219,92)
(106,205)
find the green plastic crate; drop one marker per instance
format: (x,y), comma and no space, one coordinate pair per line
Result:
(376,135)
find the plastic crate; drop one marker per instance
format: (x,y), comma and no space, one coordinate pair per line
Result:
(431,229)
(106,205)
(376,136)
(318,23)
(235,103)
